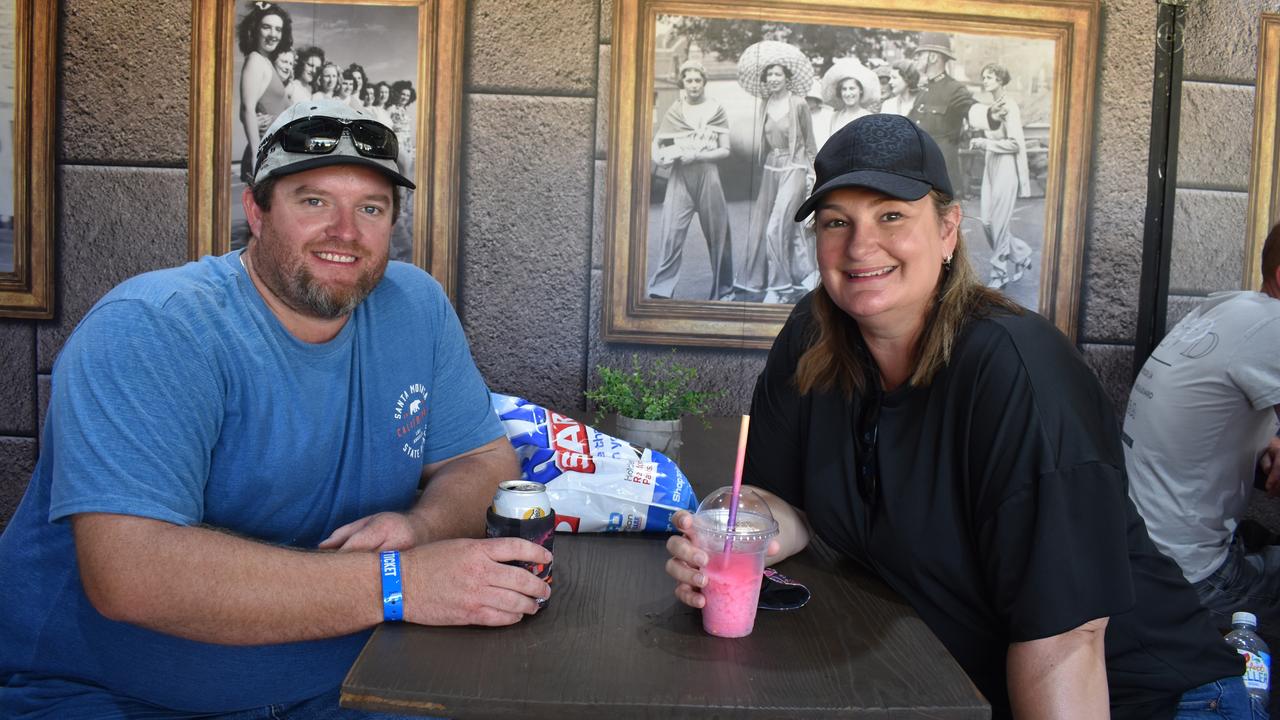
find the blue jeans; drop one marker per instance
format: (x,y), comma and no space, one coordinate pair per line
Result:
(58,700)
(1245,581)
(1222,699)
(324,707)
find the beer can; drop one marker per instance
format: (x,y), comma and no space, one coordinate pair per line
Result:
(521,500)
(522,508)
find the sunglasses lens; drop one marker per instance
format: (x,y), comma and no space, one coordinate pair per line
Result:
(314,136)
(320,135)
(374,140)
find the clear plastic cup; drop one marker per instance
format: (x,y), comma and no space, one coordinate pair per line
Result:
(736,559)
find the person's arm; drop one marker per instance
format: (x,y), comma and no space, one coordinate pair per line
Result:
(687,560)
(254,79)
(720,152)
(1062,676)
(1269,462)
(452,505)
(210,586)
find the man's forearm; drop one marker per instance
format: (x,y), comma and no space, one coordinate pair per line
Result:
(210,586)
(459,490)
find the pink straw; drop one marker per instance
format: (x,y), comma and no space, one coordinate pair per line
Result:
(737,481)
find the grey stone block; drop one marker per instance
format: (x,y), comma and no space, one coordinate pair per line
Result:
(1113,364)
(17,462)
(1177,307)
(731,371)
(1222,40)
(1208,241)
(606,21)
(125,82)
(17,373)
(599,221)
(1215,134)
(531,46)
(604,96)
(1109,292)
(1117,191)
(113,223)
(44,390)
(526,221)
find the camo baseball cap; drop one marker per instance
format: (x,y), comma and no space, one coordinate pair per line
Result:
(278,161)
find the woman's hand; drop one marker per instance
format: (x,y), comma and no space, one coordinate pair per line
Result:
(686,562)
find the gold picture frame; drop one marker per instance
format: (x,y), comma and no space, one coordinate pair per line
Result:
(645,65)
(26,267)
(1264,186)
(431,219)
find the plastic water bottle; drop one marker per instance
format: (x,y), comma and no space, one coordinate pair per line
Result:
(1257,656)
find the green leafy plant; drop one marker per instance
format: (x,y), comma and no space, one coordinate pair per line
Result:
(661,391)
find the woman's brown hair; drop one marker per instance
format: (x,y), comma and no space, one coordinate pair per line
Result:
(836,357)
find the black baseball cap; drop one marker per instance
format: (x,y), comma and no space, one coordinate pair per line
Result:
(884,152)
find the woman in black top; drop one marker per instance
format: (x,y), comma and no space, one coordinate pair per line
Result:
(959,447)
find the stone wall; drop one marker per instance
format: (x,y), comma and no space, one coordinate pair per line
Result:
(534,162)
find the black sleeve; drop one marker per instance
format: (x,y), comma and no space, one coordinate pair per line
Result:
(1049,500)
(774,458)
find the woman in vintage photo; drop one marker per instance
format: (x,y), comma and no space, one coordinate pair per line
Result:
(904,88)
(330,77)
(359,78)
(368,98)
(306,71)
(776,267)
(284,64)
(265,31)
(1005,178)
(380,107)
(403,120)
(852,89)
(958,447)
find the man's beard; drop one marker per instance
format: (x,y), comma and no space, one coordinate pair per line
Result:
(291,281)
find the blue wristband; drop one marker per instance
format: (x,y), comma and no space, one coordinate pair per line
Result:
(392,597)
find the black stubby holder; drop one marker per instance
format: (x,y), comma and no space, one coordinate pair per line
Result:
(536,530)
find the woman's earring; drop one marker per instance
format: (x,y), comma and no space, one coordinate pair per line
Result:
(946,262)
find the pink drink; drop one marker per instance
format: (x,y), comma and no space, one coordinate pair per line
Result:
(732,593)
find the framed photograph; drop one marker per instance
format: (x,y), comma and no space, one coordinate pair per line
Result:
(1264,183)
(701,248)
(397,60)
(28,65)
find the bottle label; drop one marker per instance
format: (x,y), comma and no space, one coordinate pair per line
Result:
(1257,670)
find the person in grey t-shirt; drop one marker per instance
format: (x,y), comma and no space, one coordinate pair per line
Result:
(1201,420)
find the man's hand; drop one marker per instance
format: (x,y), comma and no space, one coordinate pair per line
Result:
(381,531)
(464,582)
(999,111)
(1269,464)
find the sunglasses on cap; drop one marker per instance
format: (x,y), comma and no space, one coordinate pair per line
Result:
(320,135)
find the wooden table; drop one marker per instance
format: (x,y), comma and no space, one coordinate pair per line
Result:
(614,642)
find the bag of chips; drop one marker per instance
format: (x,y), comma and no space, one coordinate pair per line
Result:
(597,483)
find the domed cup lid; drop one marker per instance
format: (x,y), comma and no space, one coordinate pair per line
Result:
(754,521)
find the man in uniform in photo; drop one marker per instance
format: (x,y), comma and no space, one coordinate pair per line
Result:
(945,105)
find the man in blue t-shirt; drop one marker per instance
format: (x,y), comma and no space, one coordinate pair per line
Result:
(231,444)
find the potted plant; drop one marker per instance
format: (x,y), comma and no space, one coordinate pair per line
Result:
(650,401)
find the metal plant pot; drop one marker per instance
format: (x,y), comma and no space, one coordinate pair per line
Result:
(660,435)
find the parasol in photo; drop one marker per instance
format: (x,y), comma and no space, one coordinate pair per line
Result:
(771,52)
(845,69)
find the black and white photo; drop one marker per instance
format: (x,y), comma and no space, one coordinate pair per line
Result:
(700,243)
(291,52)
